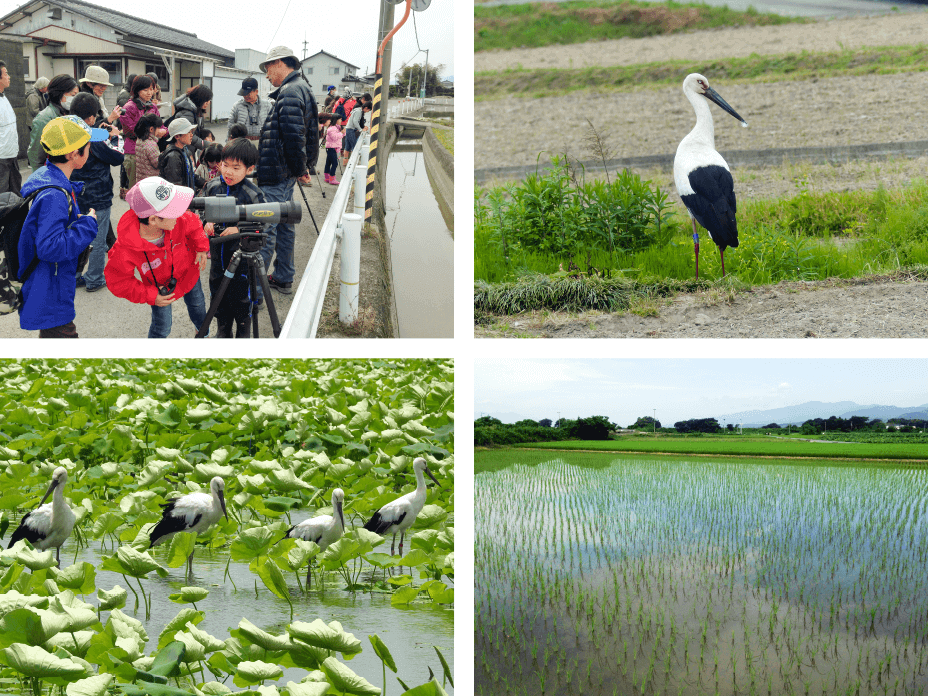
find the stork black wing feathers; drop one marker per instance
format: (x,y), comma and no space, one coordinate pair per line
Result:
(170,524)
(378,525)
(25,532)
(713,204)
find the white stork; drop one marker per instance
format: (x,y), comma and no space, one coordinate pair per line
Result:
(194,512)
(323,530)
(701,174)
(399,515)
(49,524)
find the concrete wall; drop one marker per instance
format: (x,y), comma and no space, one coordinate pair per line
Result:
(11,53)
(439,164)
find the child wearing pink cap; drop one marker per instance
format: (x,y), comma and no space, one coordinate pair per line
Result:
(164,243)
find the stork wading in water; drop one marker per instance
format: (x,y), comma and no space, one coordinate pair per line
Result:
(398,516)
(701,174)
(49,525)
(194,512)
(323,530)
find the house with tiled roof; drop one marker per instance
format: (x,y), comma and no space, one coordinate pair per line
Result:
(66,36)
(324,69)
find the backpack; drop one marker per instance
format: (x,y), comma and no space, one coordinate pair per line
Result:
(13,212)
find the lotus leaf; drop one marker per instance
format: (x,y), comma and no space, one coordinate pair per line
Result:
(77,614)
(346,681)
(132,648)
(168,658)
(32,559)
(130,561)
(265,467)
(261,638)
(91,686)
(308,688)
(195,650)
(30,626)
(189,594)
(382,652)
(126,626)
(76,643)
(208,470)
(79,577)
(268,691)
(211,643)
(182,545)
(431,688)
(33,661)
(414,558)
(177,623)
(152,689)
(255,672)
(404,595)
(326,636)
(215,688)
(252,543)
(112,599)
(430,516)
(285,480)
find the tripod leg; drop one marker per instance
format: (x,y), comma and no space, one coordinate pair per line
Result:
(253,289)
(214,304)
(261,274)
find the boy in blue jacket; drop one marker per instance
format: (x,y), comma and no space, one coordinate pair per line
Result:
(98,188)
(54,231)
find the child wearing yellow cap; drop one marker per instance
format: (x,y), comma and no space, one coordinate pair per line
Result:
(54,231)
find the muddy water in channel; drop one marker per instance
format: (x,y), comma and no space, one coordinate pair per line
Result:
(422,248)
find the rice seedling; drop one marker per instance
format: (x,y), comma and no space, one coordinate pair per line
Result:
(665,576)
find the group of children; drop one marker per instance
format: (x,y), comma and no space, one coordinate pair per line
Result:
(337,137)
(160,248)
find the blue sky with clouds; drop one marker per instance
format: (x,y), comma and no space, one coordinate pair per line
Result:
(683,388)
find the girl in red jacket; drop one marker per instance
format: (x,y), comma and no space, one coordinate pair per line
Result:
(164,244)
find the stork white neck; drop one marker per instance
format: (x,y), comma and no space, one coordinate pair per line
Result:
(704,130)
(420,480)
(58,504)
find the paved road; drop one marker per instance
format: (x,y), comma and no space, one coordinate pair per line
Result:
(102,315)
(792,8)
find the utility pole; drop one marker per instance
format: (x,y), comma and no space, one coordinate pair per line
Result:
(655,420)
(305,44)
(425,79)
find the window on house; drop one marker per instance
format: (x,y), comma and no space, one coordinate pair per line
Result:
(113,67)
(309,71)
(160,71)
(26,71)
(336,71)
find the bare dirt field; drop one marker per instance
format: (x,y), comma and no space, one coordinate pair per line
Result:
(868,308)
(832,35)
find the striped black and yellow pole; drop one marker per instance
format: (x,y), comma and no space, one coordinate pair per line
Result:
(375,118)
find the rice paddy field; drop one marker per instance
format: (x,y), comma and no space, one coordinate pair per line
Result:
(605,574)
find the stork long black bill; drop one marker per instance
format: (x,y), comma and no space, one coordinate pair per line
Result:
(714,96)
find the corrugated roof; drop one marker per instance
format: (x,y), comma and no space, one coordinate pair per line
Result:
(141,28)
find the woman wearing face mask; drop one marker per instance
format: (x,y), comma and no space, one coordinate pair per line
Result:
(141,103)
(61,91)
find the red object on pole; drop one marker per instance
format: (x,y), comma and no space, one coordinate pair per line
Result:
(383,44)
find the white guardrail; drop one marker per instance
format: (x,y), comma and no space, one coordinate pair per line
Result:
(303,318)
(399,107)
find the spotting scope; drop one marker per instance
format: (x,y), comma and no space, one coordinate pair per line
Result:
(223,209)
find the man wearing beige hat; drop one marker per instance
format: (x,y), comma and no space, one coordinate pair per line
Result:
(95,82)
(288,148)
(37,99)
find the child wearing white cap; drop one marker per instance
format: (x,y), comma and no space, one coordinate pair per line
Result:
(164,243)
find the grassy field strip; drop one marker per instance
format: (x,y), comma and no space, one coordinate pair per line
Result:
(761,448)
(536,83)
(543,24)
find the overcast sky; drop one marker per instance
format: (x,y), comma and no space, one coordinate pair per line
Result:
(623,390)
(344,28)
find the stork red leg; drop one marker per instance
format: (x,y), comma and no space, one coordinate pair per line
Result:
(696,246)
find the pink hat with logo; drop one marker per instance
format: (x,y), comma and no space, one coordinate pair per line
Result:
(157,196)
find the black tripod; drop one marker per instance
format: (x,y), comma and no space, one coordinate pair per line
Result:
(249,250)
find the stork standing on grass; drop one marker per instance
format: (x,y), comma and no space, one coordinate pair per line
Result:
(701,174)
(49,524)
(398,516)
(194,512)
(323,530)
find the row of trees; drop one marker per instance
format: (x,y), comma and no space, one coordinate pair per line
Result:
(490,431)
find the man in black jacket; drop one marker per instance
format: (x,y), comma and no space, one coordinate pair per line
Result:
(288,148)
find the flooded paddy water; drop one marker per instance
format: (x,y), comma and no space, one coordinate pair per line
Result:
(599,574)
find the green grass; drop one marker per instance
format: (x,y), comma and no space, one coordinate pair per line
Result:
(752,69)
(812,236)
(446,138)
(544,24)
(757,447)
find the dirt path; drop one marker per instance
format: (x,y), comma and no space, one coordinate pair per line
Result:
(831,35)
(877,308)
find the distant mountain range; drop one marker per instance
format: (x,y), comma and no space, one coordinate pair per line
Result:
(820,409)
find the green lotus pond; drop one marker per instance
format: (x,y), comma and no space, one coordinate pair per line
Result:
(121,618)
